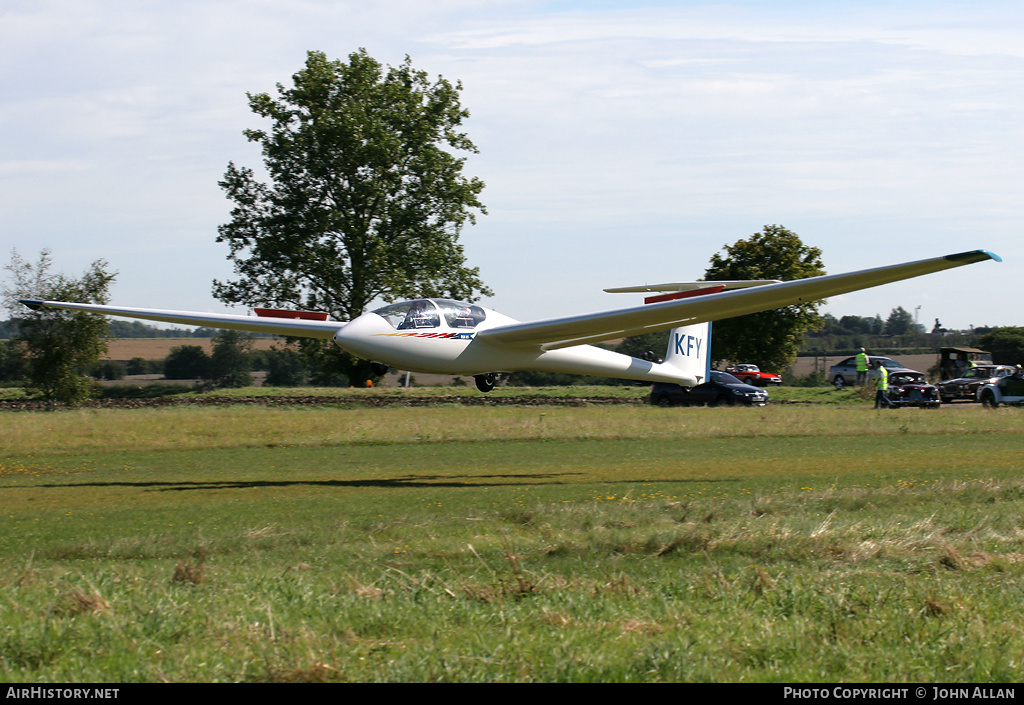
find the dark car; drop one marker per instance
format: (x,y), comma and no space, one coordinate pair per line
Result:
(721,390)
(912,389)
(966,387)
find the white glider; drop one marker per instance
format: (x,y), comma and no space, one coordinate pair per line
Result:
(442,336)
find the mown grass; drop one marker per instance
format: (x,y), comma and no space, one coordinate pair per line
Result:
(345,395)
(512,544)
(239,426)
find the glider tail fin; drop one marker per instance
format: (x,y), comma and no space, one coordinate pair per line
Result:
(689,350)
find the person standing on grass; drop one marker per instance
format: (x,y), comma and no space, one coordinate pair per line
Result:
(862,367)
(882,387)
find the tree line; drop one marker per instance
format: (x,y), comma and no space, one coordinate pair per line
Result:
(899,330)
(126,329)
(230,364)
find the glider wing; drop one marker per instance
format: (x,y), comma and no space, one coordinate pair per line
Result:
(608,325)
(296,327)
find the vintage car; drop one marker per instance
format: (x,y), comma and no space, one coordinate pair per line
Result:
(966,387)
(844,373)
(912,389)
(721,390)
(1005,390)
(953,362)
(752,374)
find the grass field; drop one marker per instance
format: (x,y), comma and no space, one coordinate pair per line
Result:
(793,543)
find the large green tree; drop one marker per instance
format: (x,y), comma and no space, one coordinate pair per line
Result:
(366,199)
(58,345)
(770,339)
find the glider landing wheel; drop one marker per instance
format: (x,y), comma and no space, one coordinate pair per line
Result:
(485,383)
(379,368)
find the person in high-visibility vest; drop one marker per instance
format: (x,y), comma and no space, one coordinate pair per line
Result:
(882,387)
(862,367)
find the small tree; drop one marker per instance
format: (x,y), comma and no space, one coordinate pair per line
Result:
(901,322)
(108,369)
(285,368)
(137,366)
(59,345)
(770,339)
(231,362)
(187,362)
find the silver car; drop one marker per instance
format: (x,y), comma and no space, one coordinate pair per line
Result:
(845,373)
(1007,390)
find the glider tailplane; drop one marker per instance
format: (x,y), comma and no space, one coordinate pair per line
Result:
(689,350)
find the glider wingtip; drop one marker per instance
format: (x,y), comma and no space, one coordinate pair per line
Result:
(34,304)
(974,256)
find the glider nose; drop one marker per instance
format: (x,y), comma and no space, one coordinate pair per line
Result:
(354,336)
(339,335)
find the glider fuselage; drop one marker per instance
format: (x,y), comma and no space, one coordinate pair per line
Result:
(441,336)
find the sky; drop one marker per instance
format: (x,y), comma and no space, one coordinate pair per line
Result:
(622,143)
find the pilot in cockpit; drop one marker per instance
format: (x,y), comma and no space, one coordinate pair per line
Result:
(463,318)
(421,315)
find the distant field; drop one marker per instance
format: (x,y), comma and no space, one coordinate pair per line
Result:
(159,348)
(792,543)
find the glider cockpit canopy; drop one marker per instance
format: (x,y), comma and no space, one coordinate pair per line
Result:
(429,313)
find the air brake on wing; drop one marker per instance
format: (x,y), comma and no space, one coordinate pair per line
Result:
(283,313)
(686,290)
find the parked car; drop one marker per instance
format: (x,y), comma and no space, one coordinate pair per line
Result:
(953,362)
(1005,390)
(845,372)
(721,390)
(966,387)
(912,389)
(752,374)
